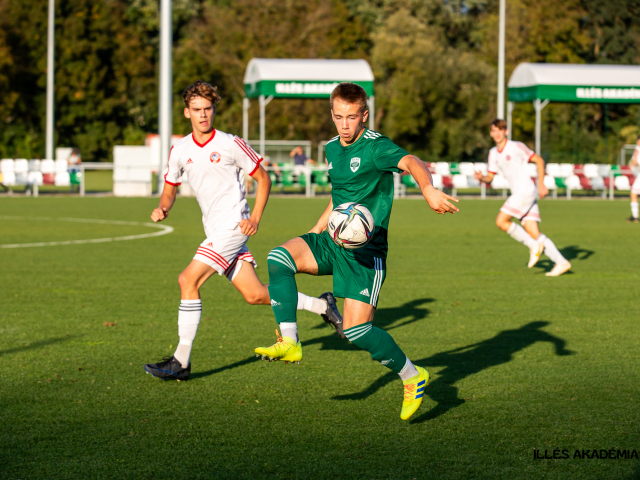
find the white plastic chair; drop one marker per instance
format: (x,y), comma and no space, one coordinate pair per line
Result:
(467,169)
(21,169)
(62,179)
(61,165)
(442,168)
(553,169)
(566,170)
(532,170)
(621,183)
(9,178)
(34,165)
(590,170)
(47,166)
(437,181)
(34,178)
(604,170)
(473,183)
(481,167)
(6,165)
(460,181)
(573,182)
(597,183)
(550,182)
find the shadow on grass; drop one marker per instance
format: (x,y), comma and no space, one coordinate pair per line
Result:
(461,362)
(385,318)
(240,363)
(572,252)
(40,344)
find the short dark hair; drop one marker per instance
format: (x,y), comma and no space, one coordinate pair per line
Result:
(350,93)
(201,89)
(499,123)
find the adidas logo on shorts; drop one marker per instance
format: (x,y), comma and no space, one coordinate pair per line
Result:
(274,303)
(189,161)
(365,292)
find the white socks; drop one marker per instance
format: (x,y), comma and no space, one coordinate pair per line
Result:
(550,250)
(634,209)
(408,371)
(311,304)
(188,319)
(520,234)
(290,329)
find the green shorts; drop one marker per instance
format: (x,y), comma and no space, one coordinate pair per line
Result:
(355,276)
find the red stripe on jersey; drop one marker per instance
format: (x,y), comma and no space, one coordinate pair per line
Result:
(165,175)
(214,254)
(532,155)
(247,149)
(256,169)
(213,134)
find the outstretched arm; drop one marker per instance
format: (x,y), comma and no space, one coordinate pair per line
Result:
(437,200)
(488,178)
(321,226)
(250,226)
(166,202)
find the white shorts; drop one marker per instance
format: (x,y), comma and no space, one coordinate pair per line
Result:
(635,188)
(523,207)
(225,252)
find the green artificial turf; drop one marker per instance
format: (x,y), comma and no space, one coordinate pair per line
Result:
(519,361)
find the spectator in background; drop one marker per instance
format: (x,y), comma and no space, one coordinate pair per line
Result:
(74,160)
(300,161)
(7,190)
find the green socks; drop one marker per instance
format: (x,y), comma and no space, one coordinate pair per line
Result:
(379,344)
(283,290)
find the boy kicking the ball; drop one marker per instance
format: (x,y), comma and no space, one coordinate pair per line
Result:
(214,162)
(511,159)
(361,167)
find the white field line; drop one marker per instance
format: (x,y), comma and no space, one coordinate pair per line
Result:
(164,230)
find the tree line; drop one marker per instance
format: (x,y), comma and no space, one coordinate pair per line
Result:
(435,64)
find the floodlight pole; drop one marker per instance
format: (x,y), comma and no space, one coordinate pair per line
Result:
(51,27)
(246,103)
(264,101)
(165,124)
(501,48)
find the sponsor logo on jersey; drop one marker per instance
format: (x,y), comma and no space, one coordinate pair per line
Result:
(189,161)
(508,157)
(330,166)
(355,164)
(365,292)
(215,157)
(274,303)
(210,244)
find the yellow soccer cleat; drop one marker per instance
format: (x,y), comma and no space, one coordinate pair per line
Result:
(413,393)
(284,349)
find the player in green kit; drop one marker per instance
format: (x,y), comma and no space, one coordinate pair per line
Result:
(361,167)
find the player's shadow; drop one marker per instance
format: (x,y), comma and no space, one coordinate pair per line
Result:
(385,318)
(461,362)
(40,344)
(572,252)
(240,363)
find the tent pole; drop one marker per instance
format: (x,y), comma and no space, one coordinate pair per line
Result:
(606,132)
(536,105)
(510,107)
(262,105)
(575,133)
(165,120)
(50,79)
(501,49)
(372,112)
(245,118)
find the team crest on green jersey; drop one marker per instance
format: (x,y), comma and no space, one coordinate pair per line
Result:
(355,164)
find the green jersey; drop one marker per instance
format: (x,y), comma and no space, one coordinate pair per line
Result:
(363,172)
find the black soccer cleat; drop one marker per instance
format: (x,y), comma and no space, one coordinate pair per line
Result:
(332,317)
(632,220)
(168,369)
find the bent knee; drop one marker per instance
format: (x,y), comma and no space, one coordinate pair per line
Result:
(185,281)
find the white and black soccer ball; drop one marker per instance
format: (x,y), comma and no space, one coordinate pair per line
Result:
(351,225)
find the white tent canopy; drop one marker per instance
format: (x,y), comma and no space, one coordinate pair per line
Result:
(542,83)
(269,78)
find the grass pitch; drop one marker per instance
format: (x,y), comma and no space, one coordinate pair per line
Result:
(519,362)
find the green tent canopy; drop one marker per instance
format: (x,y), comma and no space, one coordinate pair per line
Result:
(269,78)
(542,83)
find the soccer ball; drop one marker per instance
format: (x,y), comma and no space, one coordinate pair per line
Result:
(351,225)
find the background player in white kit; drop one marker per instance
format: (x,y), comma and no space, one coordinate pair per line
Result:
(511,159)
(214,162)
(635,189)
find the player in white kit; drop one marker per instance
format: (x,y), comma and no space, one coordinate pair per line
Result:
(635,189)
(511,158)
(215,163)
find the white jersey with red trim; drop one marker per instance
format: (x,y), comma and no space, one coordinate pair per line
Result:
(214,170)
(512,162)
